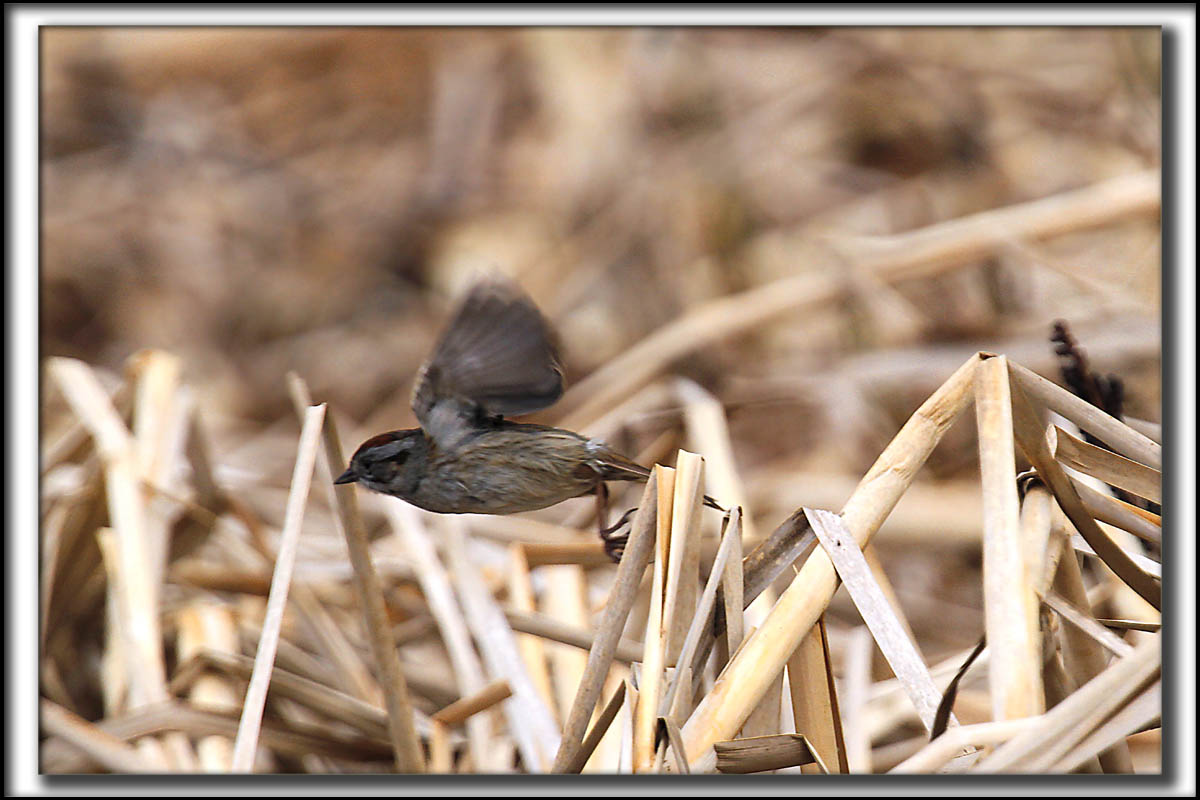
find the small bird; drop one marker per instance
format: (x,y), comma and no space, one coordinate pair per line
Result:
(497,357)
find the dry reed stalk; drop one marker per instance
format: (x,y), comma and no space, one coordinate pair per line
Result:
(668,734)
(625,719)
(679,601)
(208,626)
(1044,543)
(112,668)
(1122,601)
(324,632)
(1151,430)
(460,710)
(75,442)
(947,746)
(439,689)
(612,624)
(564,602)
(1083,657)
(543,626)
(1041,541)
(530,721)
(606,755)
(676,702)
(732,594)
(1010,605)
(130,557)
(763,655)
(790,543)
(1143,524)
(766,753)
(1086,623)
(645,719)
(581,554)
(918,253)
(877,612)
(765,718)
(871,554)
(441,754)
(1114,433)
(53,525)
(603,723)
(285,737)
(708,431)
(1057,731)
(1054,675)
(1131,625)
(408,524)
(318,697)
(856,683)
(889,706)
(256,696)
(157,436)
(137,599)
(350,670)
(99,745)
(291,657)
(886,757)
(1105,465)
(1031,438)
(208,493)
(533,651)
(787,721)
(683,567)
(219,577)
(815,708)
(1135,717)
(406,747)
(1152,568)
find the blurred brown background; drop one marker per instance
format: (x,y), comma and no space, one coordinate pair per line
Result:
(265,200)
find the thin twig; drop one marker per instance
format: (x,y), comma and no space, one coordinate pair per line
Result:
(408,754)
(612,623)
(256,695)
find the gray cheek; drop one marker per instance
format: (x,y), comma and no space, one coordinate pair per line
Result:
(370,483)
(375,481)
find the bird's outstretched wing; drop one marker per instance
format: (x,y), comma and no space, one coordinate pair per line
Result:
(497,356)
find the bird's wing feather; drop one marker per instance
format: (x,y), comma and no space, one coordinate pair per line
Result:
(497,356)
(612,466)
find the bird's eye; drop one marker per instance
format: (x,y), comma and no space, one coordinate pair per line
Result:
(386,469)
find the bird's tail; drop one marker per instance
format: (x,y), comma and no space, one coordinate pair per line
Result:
(615,467)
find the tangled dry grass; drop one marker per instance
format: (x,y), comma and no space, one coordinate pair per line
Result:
(764,246)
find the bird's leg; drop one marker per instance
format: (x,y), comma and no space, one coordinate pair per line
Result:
(601,506)
(614,545)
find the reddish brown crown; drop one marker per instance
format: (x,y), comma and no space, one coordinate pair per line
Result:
(383,438)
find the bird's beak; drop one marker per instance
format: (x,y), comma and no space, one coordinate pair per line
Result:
(349,476)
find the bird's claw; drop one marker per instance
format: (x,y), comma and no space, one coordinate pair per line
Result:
(614,540)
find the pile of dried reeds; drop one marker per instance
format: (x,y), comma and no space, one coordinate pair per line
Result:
(204,672)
